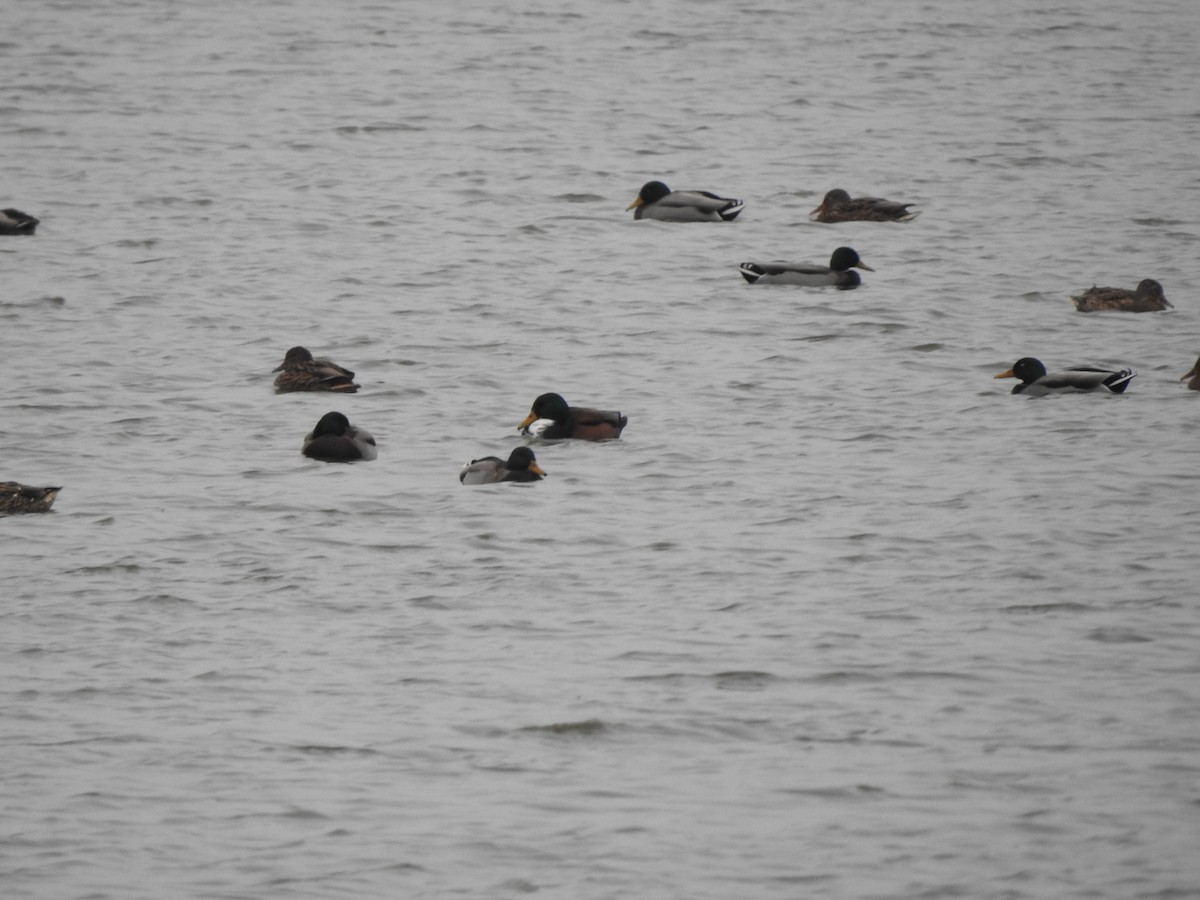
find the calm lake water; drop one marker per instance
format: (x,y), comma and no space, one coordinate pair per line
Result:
(837,617)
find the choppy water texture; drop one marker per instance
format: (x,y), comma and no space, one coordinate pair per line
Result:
(838,617)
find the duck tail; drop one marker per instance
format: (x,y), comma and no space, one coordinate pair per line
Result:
(751,271)
(1118,381)
(730,212)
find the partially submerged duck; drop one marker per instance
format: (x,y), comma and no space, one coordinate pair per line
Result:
(837,274)
(299,371)
(1146,297)
(13,221)
(21,498)
(521,465)
(839,206)
(334,439)
(1035,382)
(551,419)
(1193,374)
(657,201)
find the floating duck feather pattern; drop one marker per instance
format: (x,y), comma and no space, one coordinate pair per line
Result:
(839,206)
(837,274)
(521,466)
(334,439)
(13,221)
(20,498)
(300,372)
(552,419)
(657,201)
(1146,297)
(1035,382)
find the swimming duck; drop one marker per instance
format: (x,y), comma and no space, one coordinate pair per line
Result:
(551,419)
(336,440)
(20,498)
(1194,374)
(839,206)
(837,274)
(657,201)
(520,466)
(1146,297)
(300,372)
(1075,380)
(13,221)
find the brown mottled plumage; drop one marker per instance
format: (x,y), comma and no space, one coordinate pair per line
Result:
(20,498)
(1147,297)
(300,372)
(839,206)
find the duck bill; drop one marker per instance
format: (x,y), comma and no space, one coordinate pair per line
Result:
(527,421)
(536,469)
(862,265)
(635,204)
(816,212)
(1009,374)
(1192,372)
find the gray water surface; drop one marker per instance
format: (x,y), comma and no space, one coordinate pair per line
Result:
(837,617)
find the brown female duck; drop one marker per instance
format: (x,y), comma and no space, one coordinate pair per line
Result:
(300,372)
(20,498)
(1146,297)
(839,206)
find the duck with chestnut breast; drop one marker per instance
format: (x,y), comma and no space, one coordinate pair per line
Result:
(1035,382)
(21,498)
(839,206)
(334,439)
(13,221)
(299,371)
(657,201)
(839,273)
(1194,375)
(521,466)
(1146,297)
(552,419)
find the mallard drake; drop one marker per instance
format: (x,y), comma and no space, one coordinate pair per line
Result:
(1146,297)
(837,274)
(551,419)
(1075,380)
(657,201)
(334,439)
(839,206)
(20,498)
(300,372)
(13,221)
(520,466)
(1193,374)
